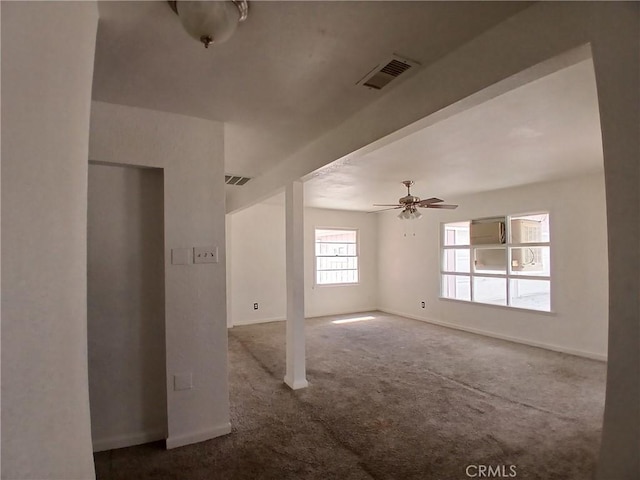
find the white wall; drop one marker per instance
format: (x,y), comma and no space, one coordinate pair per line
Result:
(47,67)
(409,267)
(257,267)
(190,151)
(125,303)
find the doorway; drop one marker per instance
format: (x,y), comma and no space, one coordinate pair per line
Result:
(126,306)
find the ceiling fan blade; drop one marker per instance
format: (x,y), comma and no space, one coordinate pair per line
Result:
(429,201)
(449,207)
(385,209)
(387,205)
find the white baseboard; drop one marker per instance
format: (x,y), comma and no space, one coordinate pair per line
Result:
(127,440)
(524,341)
(176,441)
(296,384)
(331,313)
(307,315)
(252,321)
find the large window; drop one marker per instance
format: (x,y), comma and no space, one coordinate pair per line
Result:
(336,256)
(499,261)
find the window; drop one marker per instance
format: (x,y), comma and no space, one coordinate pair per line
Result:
(498,261)
(336,256)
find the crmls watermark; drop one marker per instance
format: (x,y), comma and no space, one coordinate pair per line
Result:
(491,471)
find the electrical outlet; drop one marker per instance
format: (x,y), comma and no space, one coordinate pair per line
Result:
(205,254)
(423,305)
(255,306)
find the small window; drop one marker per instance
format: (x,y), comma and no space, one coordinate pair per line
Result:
(336,256)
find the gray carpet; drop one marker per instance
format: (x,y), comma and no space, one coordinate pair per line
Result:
(391,398)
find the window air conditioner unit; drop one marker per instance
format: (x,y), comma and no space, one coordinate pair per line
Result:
(487,232)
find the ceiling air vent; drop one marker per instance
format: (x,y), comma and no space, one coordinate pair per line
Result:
(235,180)
(387,71)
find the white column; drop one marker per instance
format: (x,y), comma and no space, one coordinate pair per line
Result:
(48,50)
(615,41)
(296,375)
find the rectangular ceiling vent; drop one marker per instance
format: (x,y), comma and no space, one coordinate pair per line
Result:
(387,71)
(235,180)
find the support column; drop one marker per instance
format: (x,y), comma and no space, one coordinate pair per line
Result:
(615,41)
(296,374)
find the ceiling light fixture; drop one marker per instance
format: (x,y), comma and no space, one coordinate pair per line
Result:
(211,22)
(410,213)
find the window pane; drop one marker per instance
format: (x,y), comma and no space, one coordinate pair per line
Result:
(344,236)
(337,263)
(334,249)
(490,260)
(456,233)
(455,260)
(490,290)
(456,286)
(533,294)
(530,228)
(327,277)
(531,261)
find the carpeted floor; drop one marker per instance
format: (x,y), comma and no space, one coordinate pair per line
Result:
(391,398)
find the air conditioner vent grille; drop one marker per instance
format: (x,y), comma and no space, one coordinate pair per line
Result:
(387,71)
(395,68)
(236,180)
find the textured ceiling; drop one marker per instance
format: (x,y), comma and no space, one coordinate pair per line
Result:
(289,73)
(546,130)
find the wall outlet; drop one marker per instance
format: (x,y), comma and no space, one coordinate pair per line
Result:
(255,306)
(205,254)
(423,305)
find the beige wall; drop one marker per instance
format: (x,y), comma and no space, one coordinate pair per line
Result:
(46,94)
(190,151)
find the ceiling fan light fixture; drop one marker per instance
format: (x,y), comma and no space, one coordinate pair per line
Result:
(211,22)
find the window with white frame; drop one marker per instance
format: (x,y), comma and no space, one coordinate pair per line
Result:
(336,256)
(500,261)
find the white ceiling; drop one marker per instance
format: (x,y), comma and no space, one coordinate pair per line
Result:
(289,73)
(545,130)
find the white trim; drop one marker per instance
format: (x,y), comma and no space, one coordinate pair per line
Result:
(315,257)
(127,440)
(309,315)
(296,384)
(486,333)
(176,441)
(252,321)
(339,312)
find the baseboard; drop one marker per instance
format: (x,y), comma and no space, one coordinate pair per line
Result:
(486,333)
(176,441)
(128,440)
(296,384)
(258,320)
(340,312)
(307,315)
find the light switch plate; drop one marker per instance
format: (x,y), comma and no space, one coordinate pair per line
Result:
(183,381)
(181,256)
(205,254)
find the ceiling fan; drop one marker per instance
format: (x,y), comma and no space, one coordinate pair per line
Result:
(410,204)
